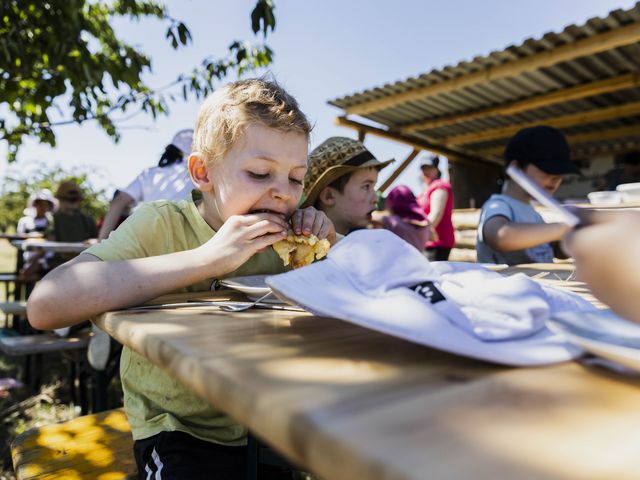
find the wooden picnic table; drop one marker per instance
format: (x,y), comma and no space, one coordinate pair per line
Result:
(36,244)
(346,402)
(20,236)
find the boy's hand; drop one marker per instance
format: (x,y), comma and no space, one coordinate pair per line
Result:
(240,237)
(309,221)
(607,255)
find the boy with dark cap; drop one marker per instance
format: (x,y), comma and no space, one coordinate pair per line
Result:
(510,230)
(341,182)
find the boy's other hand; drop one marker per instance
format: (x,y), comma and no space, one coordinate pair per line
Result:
(307,221)
(240,237)
(607,255)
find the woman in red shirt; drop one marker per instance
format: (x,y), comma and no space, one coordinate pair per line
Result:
(437,202)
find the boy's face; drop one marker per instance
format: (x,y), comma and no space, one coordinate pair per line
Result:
(263,172)
(354,205)
(546,180)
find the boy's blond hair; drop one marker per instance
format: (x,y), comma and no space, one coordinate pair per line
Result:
(226,112)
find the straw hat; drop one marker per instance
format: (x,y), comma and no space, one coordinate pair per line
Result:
(332,159)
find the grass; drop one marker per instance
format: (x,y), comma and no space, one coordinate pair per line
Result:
(21,409)
(7,256)
(7,263)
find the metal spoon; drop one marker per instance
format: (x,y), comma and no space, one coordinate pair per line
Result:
(242,308)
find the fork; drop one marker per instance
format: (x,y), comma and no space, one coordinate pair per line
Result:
(242,308)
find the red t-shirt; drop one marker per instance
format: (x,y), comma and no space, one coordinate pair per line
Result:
(446,237)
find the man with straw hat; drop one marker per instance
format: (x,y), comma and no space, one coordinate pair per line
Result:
(341,182)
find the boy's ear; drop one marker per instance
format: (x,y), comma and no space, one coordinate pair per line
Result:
(327,196)
(199,172)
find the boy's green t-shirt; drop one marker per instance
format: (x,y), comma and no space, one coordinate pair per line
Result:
(153,400)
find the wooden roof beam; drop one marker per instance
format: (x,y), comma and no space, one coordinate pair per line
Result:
(580,118)
(414,153)
(453,153)
(580,138)
(618,37)
(622,82)
(617,149)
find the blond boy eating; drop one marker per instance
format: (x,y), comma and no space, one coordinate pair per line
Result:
(249,160)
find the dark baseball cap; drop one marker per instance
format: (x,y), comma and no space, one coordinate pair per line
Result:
(543,146)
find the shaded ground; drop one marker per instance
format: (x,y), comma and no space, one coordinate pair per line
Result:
(21,409)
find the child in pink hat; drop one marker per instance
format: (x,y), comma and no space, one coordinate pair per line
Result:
(404,217)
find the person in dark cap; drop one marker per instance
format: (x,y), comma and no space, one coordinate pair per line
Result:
(510,230)
(437,202)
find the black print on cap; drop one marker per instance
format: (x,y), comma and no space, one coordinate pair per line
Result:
(429,291)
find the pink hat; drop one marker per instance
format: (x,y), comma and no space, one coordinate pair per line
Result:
(402,202)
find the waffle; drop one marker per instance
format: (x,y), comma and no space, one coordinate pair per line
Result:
(301,250)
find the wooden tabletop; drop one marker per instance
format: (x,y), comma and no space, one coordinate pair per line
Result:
(20,236)
(37,244)
(349,403)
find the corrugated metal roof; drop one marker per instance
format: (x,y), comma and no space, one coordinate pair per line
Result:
(401,105)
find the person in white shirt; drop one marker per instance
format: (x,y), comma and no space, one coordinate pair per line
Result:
(37,215)
(167,181)
(37,219)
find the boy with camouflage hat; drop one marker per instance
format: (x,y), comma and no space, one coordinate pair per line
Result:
(341,182)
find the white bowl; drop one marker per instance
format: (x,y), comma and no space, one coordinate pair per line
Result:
(604,199)
(630,192)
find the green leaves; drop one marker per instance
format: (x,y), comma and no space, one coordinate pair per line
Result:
(178,34)
(64,55)
(263,15)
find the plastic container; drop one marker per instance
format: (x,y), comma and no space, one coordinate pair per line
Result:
(604,199)
(630,192)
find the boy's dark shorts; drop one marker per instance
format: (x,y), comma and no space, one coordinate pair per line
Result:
(179,456)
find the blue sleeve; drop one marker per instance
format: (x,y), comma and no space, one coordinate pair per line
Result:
(493,207)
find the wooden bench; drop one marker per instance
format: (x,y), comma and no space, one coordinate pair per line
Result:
(99,447)
(42,343)
(15,287)
(96,446)
(32,347)
(465,224)
(14,308)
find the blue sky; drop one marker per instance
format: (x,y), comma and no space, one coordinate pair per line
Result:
(323,49)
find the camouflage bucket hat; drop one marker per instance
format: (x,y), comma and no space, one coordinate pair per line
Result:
(333,158)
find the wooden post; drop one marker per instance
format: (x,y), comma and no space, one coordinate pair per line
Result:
(414,153)
(461,155)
